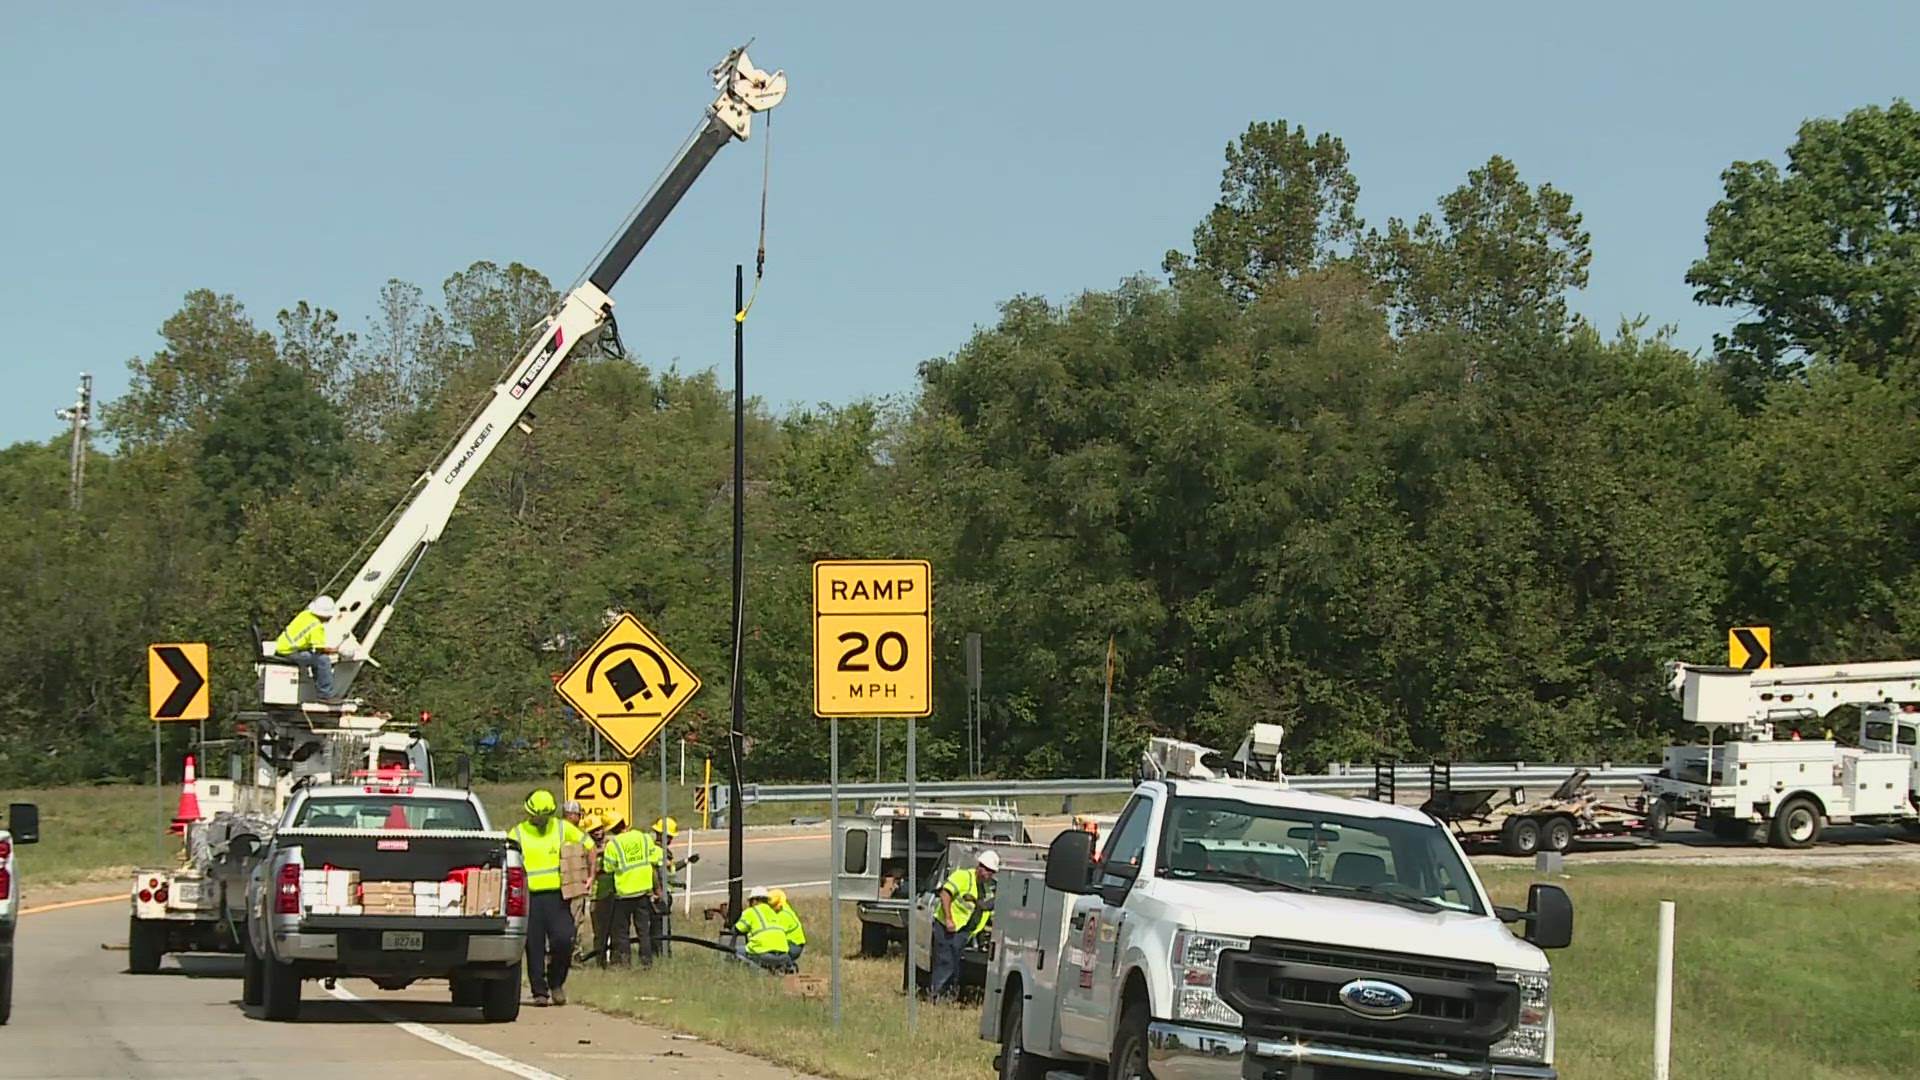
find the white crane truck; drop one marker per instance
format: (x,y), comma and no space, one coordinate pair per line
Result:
(296,739)
(1233,928)
(1747,781)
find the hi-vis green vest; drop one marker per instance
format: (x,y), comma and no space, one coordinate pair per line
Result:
(789,920)
(629,858)
(305,633)
(541,851)
(761,924)
(964,886)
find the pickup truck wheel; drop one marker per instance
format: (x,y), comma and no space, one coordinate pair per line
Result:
(6,989)
(873,940)
(1796,825)
(466,991)
(1015,1062)
(252,976)
(1129,1058)
(1559,834)
(280,986)
(500,998)
(1520,836)
(146,944)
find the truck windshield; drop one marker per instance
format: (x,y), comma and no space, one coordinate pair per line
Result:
(1388,859)
(386,812)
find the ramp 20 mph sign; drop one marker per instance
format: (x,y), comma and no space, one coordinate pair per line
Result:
(873,637)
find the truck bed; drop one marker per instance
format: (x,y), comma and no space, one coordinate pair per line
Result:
(395,855)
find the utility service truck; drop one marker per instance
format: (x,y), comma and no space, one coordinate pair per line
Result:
(297,738)
(390,882)
(23,827)
(1746,780)
(873,870)
(1232,928)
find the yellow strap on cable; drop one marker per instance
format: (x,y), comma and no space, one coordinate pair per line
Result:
(760,257)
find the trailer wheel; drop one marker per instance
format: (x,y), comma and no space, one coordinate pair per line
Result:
(280,990)
(1796,825)
(874,940)
(1659,818)
(1520,836)
(146,944)
(1559,833)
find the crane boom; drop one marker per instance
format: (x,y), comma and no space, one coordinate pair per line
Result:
(1754,700)
(375,587)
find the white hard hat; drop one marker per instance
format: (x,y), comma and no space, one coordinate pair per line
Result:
(988,860)
(758,892)
(323,607)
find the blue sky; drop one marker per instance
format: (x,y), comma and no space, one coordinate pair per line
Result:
(929,161)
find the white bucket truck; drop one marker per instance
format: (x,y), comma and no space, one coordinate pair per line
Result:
(1233,929)
(1746,780)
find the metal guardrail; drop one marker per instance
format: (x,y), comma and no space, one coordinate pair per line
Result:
(1469,774)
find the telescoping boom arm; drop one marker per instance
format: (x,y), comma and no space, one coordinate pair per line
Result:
(1755,700)
(417,522)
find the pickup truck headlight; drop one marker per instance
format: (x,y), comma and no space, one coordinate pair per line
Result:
(1531,1036)
(1196,963)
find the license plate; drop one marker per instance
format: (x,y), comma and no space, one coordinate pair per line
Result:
(186,893)
(403,940)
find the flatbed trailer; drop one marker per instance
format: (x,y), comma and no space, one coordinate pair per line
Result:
(1518,826)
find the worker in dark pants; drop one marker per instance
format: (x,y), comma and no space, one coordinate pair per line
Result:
(629,857)
(550,929)
(963,901)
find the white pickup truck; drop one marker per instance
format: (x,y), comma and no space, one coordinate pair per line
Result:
(408,843)
(1234,928)
(23,827)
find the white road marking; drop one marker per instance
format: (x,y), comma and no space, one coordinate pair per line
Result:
(786,885)
(447,1042)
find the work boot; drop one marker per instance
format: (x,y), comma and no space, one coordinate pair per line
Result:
(559,995)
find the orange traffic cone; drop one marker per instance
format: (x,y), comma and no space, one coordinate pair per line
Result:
(189,811)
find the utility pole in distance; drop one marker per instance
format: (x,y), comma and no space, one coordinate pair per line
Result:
(78,414)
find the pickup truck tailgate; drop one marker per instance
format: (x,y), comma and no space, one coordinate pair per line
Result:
(397,854)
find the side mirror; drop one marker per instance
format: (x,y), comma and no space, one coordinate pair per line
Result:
(1070,862)
(1549,917)
(463,771)
(23,821)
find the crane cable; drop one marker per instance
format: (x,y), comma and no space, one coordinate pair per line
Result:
(760,257)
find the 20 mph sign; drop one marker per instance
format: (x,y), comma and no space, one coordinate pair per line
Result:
(873,637)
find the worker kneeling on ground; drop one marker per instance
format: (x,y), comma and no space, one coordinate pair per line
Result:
(550,930)
(789,923)
(964,901)
(304,642)
(763,941)
(628,857)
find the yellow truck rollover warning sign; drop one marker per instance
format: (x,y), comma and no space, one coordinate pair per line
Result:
(873,637)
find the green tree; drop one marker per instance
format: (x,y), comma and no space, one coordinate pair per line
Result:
(273,432)
(210,346)
(1286,205)
(1503,256)
(1823,259)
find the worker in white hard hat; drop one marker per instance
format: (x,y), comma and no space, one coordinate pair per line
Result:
(965,897)
(762,939)
(304,642)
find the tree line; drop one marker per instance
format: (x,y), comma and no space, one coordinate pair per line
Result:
(1377,483)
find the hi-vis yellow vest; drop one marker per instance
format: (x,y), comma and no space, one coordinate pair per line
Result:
(965,887)
(629,858)
(541,851)
(305,633)
(762,926)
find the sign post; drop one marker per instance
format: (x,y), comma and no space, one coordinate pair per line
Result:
(628,685)
(872,656)
(177,690)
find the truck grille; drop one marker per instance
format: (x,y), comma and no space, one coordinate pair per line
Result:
(1290,989)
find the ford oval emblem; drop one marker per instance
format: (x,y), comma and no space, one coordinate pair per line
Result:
(1377,999)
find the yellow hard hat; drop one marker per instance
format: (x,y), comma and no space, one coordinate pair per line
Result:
(777,897)
(540,802)
(591,821)
(611,819)
(666,827)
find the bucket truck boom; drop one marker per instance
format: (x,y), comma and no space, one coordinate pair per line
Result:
(370,595)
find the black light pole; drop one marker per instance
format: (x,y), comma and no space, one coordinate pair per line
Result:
(736,737)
